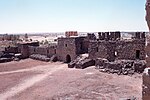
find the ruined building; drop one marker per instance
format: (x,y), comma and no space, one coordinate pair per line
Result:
(146,75)
(111,47)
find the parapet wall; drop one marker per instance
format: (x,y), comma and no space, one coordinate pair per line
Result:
(111,47)
(109,35)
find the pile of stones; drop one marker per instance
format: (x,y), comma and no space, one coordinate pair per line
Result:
(6,57)
(39,57)
(125,67)
(81,62)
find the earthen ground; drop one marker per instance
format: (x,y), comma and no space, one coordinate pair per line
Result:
(35,80)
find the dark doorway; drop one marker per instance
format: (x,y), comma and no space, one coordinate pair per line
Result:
(68,59)
(137,54)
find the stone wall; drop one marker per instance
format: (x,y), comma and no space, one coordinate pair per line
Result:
(48,51)
(66,47)
(102,49)
(23,48)
(71,47)
(7,37)
(130,50)
(115,49)
(109,35)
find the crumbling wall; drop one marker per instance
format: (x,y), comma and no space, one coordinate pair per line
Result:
(102,49)
(109,36)
(48,51)
(129,50)
(112,48)
(7,37)
(24,48)
(11,49)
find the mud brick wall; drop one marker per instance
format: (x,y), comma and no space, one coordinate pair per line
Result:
(146,84)
(128,49)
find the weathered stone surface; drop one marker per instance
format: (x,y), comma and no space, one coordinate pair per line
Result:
(85,63)
(99,62)
(40,57)
(71,47)
(148,13)
(71,64)
(2,60)
(146,84)
(118,49)
(54,58)
(139,66)
(125,67)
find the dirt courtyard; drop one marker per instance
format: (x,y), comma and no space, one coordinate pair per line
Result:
(35,80)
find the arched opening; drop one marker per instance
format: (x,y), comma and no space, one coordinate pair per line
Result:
(68,59)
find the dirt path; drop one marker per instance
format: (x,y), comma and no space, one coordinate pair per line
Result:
(45,70)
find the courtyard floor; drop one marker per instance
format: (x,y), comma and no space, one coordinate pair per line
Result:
(35,80)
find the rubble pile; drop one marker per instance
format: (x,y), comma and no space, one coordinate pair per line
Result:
(2,60)
(54,58)
(6,57)
(81,62)
(85,63)
(39,57)
(125,67)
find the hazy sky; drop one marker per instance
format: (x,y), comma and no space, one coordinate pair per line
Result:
(63,15)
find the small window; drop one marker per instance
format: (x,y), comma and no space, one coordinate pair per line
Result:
(65,45)
(47,51)
(34,49)
(96,49)
(116,53)
(55,51)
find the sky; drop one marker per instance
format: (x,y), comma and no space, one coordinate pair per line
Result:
(25,16)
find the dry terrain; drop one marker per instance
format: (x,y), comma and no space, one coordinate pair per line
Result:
(35,80)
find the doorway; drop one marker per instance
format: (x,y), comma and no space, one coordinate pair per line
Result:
(68,59)
(137,54)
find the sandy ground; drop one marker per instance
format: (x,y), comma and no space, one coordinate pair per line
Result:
(35,80)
